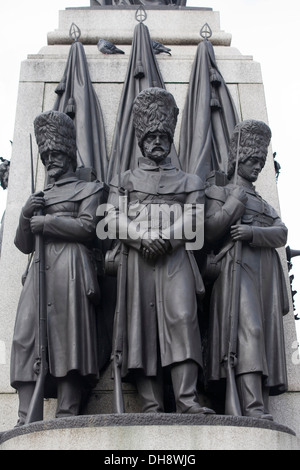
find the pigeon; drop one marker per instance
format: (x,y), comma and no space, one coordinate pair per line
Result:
(158,48)
(107,47)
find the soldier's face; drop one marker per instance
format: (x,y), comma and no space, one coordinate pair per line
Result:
(156,146)
(56,163)
(250,169)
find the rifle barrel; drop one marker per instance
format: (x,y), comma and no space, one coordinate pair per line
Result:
(31,165)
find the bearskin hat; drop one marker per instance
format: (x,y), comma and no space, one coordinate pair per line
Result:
(56,131)
(254,136)
(154,110)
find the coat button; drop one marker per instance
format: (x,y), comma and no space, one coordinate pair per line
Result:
(151,304)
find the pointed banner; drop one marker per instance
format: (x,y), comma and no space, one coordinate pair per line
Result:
(143,72)
(77,98)
(209,117)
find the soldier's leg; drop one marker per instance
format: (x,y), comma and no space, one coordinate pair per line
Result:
(184,379)
(250,392)
(69,394)
(25,392)
(151,392)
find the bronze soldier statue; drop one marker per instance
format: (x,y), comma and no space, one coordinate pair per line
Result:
(68,227)
(161,334)
(235,213)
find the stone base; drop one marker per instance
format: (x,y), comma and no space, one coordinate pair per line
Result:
(170,26)
(136,431)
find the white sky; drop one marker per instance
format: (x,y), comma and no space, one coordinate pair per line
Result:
(269,30)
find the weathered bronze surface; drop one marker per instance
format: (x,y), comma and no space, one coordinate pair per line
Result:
(161,335)
(248,292)
(67,223)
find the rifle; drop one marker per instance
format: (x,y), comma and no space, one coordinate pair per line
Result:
(40,367)
(119,326)
(232,403)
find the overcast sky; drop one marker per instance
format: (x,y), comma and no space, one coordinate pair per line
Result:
(269,30)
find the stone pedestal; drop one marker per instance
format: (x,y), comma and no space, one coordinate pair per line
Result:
(176,25)
(151,432)
(178,29)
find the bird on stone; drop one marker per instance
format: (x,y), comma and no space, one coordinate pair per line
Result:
(158,48)
(107,47)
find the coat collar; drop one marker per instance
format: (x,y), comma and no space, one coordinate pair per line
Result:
(61,182)
(148,164)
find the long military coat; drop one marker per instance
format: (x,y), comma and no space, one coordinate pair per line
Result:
(161,303)
(263,296)
(72,290)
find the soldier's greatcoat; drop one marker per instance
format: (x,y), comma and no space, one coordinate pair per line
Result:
(161,303)
(72,290)
(263,296)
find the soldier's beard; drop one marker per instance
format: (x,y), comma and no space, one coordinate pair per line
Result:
(56,172)
(158,156)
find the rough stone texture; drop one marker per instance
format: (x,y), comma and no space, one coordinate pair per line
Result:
(183,28)
(9,407)
(39,76)
(286,409)
(151,431)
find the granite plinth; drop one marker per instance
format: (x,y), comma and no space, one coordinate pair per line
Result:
(135,431)
(179,25)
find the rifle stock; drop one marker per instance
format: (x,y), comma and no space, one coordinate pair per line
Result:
(232,402)
(119,325)
(118,400)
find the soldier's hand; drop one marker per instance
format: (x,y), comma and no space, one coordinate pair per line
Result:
(34,203)
(37,223)
(239,193)
(152,248)
(241,232)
